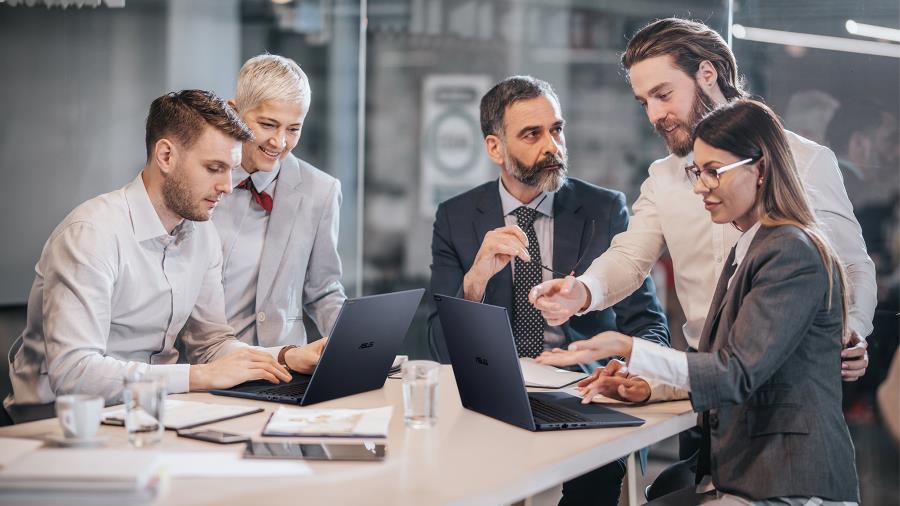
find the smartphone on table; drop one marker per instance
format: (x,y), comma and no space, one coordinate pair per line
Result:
(214,436)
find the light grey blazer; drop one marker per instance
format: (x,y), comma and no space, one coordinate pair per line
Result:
(770,382)
(300,269)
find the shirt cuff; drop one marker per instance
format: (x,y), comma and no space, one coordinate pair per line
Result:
(660,392)
(176,376)
(857,325)
(660,364)
(596,287)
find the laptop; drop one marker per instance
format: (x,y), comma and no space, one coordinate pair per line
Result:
(367,335)
(483,354)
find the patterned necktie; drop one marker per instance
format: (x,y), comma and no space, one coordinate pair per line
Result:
(261,198)
(528,324)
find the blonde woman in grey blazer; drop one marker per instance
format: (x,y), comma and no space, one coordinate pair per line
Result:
(763,377)
(279,227)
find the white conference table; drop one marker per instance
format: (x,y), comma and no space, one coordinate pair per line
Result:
(467,458)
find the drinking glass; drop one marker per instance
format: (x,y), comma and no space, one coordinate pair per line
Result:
(420,382)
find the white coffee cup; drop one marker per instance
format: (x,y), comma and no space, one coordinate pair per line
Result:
(79,415)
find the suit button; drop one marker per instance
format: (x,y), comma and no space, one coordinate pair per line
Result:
(261,316)
(713,421)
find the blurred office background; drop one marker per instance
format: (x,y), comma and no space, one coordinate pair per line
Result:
(394,116)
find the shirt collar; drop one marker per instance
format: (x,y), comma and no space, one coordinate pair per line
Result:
(511,203)
(144,218)
(261,179)
(743,243)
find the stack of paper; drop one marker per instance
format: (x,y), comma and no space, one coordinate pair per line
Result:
(305,422)
(546,376)
(107,473)
(180,415)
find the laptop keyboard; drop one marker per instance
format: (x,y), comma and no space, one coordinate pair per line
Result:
(552,413)
(289,390)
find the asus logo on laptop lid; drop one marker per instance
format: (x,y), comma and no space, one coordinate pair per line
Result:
(367,344)
(482,361)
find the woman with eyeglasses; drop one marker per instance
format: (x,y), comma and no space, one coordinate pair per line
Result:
(762,379)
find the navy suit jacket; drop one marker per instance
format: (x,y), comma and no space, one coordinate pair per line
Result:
(462,222)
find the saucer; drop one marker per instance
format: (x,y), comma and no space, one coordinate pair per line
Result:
(75,442)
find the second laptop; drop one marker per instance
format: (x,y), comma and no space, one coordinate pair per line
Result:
(367,335)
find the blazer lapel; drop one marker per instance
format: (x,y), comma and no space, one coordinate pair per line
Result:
(709,327)
(489,217)
(281,223)
(229,212)
(568,230)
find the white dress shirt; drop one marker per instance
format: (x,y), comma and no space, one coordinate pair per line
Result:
(666,369)
(240,273)
(112,292)
(668,215)
(543,228)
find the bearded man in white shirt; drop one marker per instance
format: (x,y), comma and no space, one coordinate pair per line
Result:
(679,70)
(127,273)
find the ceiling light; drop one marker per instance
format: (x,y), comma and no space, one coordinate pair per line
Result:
(873,31)
(815,41)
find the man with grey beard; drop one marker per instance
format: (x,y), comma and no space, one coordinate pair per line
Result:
(495,242)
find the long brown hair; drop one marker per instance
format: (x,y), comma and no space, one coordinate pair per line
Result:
(749,129)
(689,43)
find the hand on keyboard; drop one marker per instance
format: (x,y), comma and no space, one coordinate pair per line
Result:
(303,359)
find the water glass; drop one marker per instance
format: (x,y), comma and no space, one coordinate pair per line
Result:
(145,400)
(420,382)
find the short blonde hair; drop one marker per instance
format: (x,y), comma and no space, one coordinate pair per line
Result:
(271,77)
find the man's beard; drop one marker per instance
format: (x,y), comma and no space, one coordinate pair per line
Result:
(682,145)
(538,175)
(179,198)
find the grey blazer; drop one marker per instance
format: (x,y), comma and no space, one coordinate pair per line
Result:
(300,269)
(769,385)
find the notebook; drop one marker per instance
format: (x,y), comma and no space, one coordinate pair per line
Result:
(547,376)
(180,414)
(304,422)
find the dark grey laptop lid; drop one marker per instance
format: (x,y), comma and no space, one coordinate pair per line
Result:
(483,354)
(367,335)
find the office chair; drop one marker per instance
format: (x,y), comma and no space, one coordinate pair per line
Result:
(5,420)
(676,477)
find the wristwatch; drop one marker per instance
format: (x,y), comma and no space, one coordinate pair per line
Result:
(281,354)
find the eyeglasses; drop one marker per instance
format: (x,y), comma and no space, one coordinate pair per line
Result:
(710,177)
(583,255)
